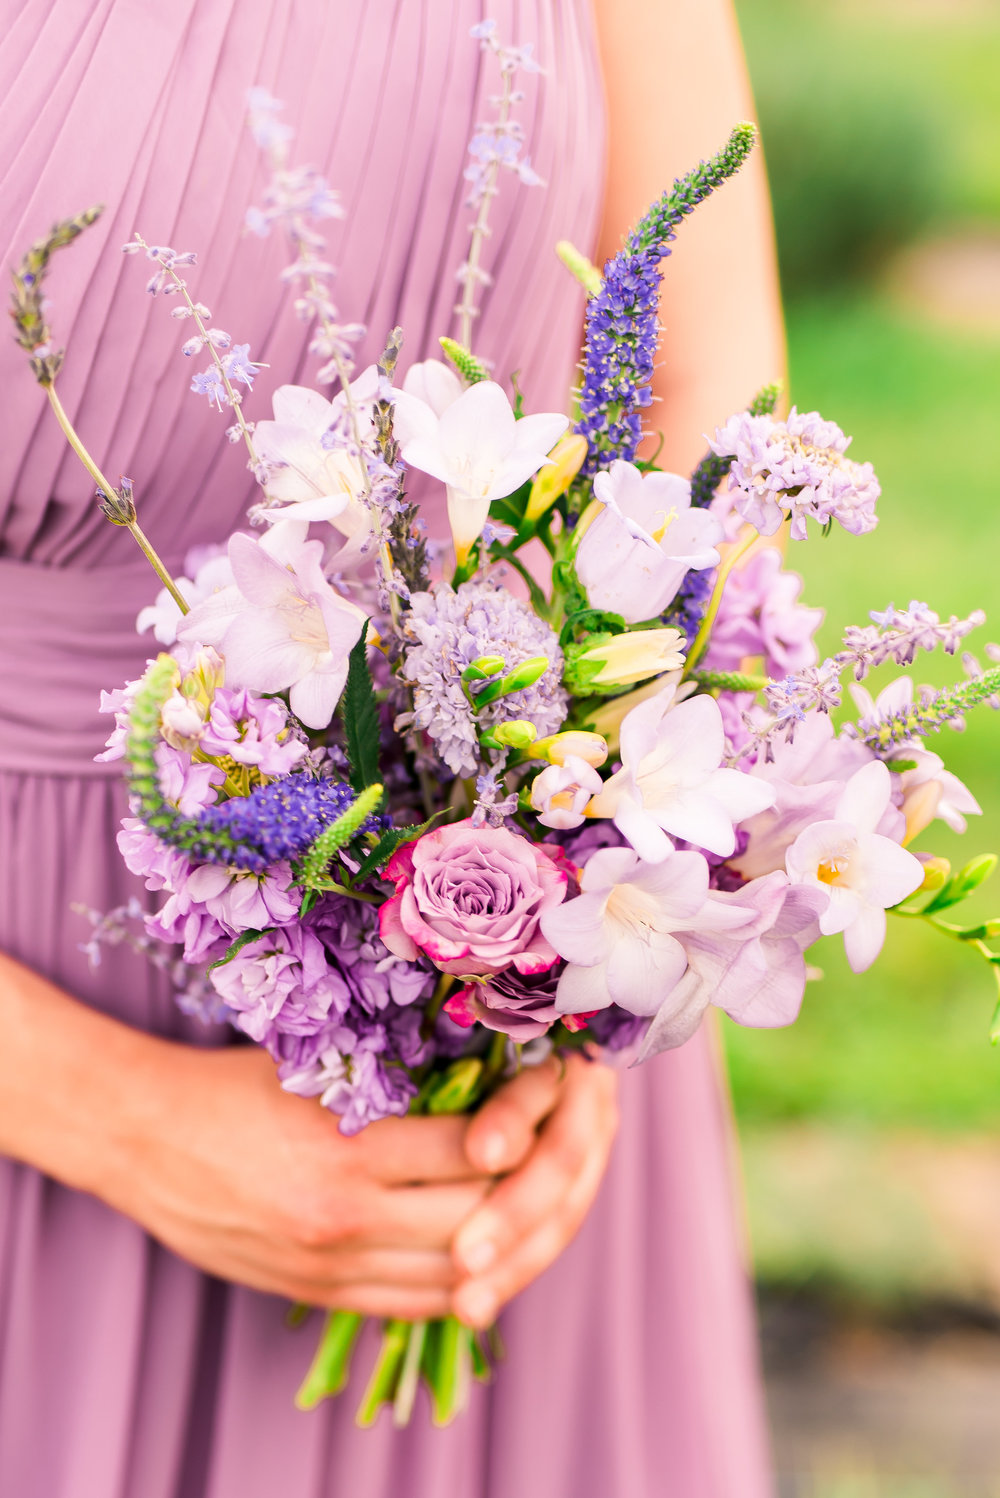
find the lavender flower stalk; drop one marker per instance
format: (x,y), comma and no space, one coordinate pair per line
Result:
(622,326)
(933,711)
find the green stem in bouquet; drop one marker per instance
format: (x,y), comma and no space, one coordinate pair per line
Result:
(471,272)
(330,1366)
(700,643)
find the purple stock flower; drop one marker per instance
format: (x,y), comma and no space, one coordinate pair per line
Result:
(281,982)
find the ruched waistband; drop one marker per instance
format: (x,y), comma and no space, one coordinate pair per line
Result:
(64,635)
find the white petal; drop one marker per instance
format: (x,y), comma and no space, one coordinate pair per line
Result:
(864,937)
(865,796)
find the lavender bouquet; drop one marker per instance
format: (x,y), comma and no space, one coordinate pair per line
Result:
(416,826)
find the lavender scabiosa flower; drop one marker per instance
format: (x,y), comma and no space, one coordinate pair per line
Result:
(444,631)
(622,326)
(496,144)
(796,469)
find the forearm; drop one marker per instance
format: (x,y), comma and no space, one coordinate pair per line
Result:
(70,1081)
(676,84)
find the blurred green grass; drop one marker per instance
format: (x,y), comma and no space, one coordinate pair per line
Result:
(905,1044)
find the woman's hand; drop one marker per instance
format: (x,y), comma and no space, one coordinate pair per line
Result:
(534,1212)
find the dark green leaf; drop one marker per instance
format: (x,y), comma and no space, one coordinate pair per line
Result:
(360,713)
(389,842)
(243,940)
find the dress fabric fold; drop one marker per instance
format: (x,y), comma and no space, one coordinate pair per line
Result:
(124,1372)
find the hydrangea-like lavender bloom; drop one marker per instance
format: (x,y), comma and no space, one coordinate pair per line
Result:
(796,469)
(446,631)
(376,980)
(622,327)
(471,899)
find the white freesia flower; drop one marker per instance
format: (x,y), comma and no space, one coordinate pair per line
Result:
(617,935)
(929,790)
(477,449)
(310,481)
(634,556)
(280,628)
(431,381)
(672,780)
(863,872)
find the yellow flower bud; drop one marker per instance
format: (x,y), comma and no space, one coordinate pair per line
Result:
(633,656)
(937,872)
(555,478)
(590,747)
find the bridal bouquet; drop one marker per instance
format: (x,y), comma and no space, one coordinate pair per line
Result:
(419,814)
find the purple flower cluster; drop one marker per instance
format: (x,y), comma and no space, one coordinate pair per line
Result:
(897,635)
(622,326)
(445,630)
(796,469)
(339,1014)
(281,820)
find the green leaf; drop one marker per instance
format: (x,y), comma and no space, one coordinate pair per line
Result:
(243,940)
(360,713)
(388,843)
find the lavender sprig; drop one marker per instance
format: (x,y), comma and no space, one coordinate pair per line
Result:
(231,364)
(897,635)
(932,712)
(295,198)
(622,323)
(497,143)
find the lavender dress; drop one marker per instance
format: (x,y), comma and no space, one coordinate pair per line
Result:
(124,1372)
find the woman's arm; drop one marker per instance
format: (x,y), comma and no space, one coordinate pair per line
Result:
(676,84)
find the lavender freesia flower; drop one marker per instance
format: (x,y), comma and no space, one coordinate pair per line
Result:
(477,449)
(633,557)
(755,970)
(672,780)
(281,628)
(618,936)
(863,872)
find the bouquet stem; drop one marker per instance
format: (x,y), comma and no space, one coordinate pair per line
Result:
(446,1355)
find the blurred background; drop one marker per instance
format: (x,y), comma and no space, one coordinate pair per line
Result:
(871,1129)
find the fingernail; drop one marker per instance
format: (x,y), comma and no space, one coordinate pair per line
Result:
(493,1150)
(479,1255)
(477,1304)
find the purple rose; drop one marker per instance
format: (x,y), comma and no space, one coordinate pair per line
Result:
(522,1007)
(471,898)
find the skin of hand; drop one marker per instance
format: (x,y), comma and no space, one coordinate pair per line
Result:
(205,1151)
(533,1212)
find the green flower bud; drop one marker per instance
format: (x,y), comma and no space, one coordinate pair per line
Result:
(456,1091)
